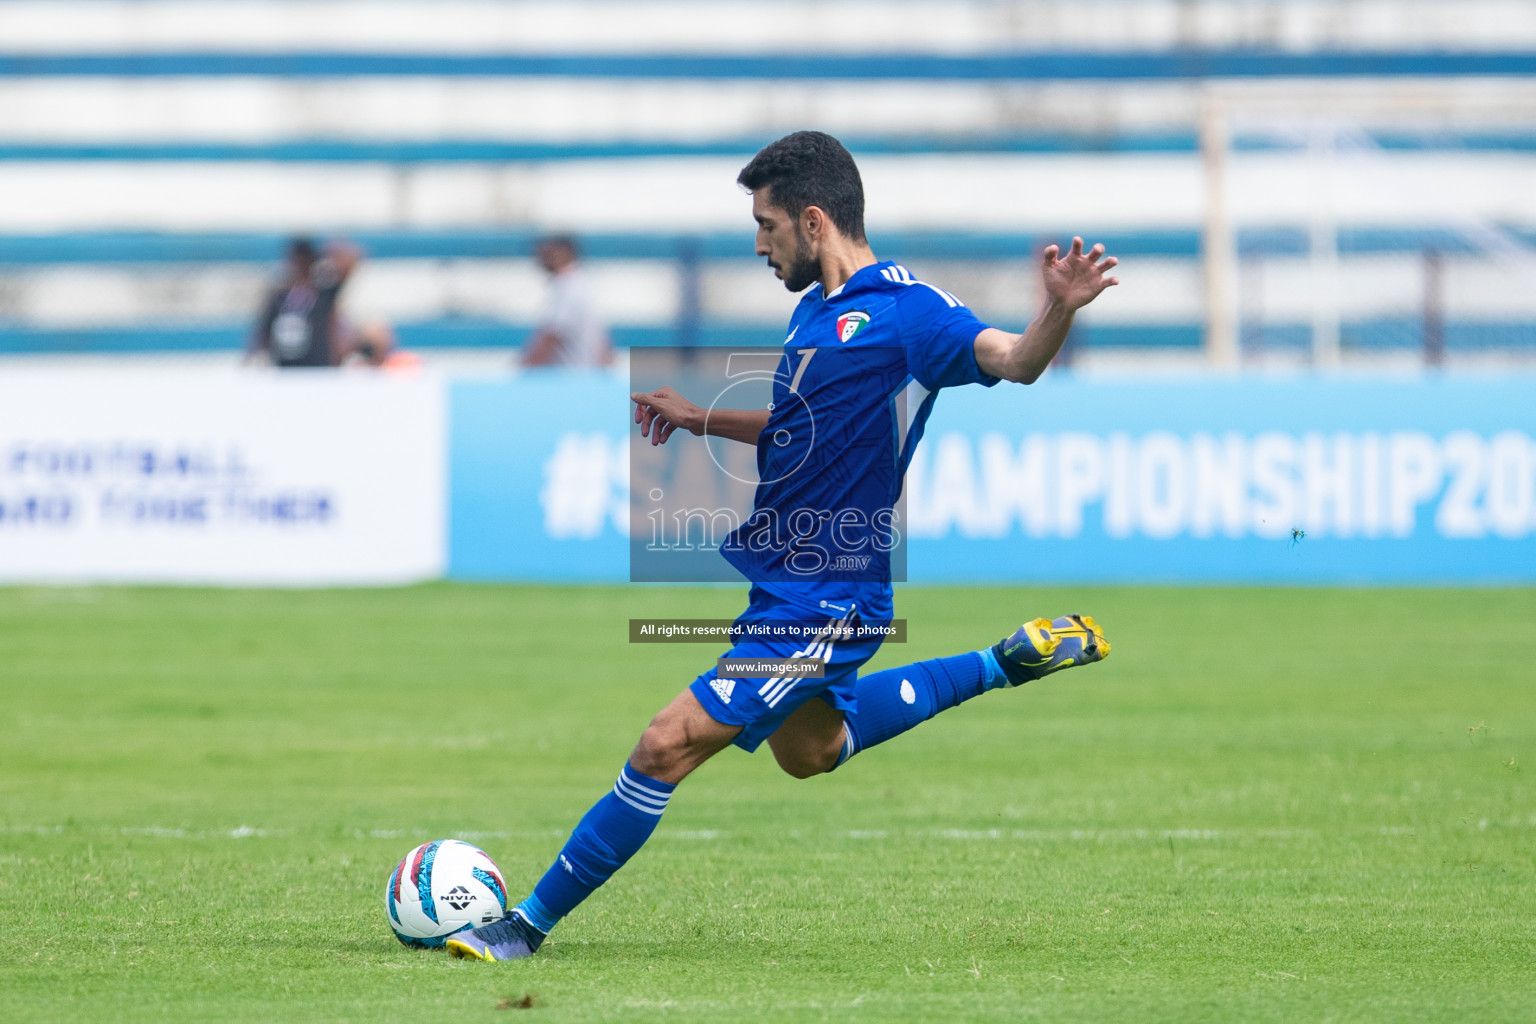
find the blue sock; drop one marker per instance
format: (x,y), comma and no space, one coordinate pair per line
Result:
(609,834)
(893,701)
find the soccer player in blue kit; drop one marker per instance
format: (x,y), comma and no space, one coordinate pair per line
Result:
(832,449)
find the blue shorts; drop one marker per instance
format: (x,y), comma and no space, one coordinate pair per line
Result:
(760,704)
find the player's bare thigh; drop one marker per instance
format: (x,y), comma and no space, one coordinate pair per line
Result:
(810,740)
(681,737)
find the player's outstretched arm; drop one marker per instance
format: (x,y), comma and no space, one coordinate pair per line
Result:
(662,411)
(1071,282)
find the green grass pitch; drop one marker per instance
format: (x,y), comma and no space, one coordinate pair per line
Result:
(1268,805)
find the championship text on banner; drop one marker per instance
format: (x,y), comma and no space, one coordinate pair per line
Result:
(221,477)
(1306,479)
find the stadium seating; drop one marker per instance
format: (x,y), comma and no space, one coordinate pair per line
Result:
(154,153)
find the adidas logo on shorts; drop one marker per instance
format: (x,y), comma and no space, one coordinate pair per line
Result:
(723,689)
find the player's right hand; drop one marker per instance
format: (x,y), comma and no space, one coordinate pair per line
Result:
(662,411)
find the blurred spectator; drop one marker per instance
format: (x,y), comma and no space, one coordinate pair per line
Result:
(569,333)
(298,325)
(373,344)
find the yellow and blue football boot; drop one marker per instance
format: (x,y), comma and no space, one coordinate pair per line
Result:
(511,938)
(1043,646)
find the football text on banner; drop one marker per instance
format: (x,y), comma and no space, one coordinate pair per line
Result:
(221,477)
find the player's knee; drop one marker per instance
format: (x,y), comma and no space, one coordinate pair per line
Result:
(668,749)
(661,749)
(804,764)
(803,770)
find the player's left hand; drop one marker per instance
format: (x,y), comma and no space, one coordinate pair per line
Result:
(1076,279)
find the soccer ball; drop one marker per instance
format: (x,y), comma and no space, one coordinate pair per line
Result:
(440,888)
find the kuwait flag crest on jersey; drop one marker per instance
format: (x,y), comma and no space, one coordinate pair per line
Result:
(851,323)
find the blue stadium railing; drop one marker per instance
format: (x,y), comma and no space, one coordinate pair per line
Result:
(266,247)
(439,151)
(1017,66)
(692,252)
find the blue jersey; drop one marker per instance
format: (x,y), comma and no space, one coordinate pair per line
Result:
(860,373)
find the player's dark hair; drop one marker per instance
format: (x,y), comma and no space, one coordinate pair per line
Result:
(810,169)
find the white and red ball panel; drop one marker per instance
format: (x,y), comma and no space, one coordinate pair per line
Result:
(443,887)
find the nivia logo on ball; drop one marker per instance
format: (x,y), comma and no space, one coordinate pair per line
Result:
(458,897)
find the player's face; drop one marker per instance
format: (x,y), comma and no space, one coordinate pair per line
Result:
(783,244)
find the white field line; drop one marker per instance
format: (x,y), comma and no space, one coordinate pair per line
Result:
(150,831)
(707,835)
(248,832)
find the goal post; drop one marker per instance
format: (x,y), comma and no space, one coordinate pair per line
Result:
(1339,224)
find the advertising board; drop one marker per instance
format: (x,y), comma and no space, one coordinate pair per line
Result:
(1308,479)
(221,477)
